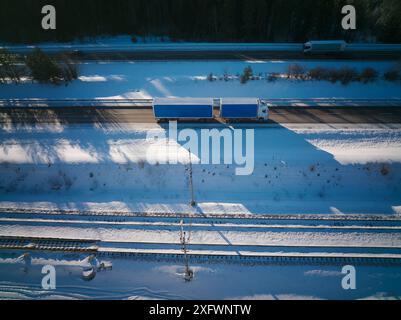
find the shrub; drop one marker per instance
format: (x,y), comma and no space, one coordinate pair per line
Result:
(246,75)
(70,72)
(10,70)
(210,77)
(296,71)
(385,171)
(69,67)
(392,75)
(319,73)
(226,76)
(369,75)
(333,75)
(273,76)
(46,70)
(345,75)
(43,69)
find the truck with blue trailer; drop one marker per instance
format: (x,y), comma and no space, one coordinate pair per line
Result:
(198,109)
(325,47)
(183,109)
(243,109)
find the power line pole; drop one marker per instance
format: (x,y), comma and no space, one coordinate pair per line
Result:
(191,183)
(184,239)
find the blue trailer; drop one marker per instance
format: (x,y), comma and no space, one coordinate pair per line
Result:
(243,108)
(183,108)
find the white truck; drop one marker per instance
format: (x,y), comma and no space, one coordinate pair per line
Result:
(243,108)
(322,47)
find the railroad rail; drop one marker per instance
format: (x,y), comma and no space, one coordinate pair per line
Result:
(137,214)
(277,259)
(26,244)
(43,244)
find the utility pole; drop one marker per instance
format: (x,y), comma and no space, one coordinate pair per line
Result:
(184,239)
(191,183)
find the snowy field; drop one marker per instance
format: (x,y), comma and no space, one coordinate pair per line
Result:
(189,79)
(300,169)
(157,280)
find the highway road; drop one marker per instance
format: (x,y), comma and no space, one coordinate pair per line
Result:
(280,115)
(177,51)
(195,47)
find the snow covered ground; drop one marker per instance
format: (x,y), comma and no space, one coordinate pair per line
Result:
(297,170)
(92,182)
(157,280)
(189,79)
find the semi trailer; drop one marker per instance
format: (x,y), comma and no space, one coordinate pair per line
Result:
(228,109)
(325,47)
(183,108)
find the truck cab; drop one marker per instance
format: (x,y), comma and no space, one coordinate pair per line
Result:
(263,111)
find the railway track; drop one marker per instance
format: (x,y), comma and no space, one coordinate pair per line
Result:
(216,246)
(27,244)
(197,223)
(43,244)
(277,259)
(217,218)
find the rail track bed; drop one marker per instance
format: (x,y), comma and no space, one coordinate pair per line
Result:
(266,239)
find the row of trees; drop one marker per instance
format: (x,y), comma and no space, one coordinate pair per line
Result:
(10,68)
(202,20)
(38,66)
(344,75)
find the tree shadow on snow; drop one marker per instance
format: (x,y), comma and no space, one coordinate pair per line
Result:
(290,176)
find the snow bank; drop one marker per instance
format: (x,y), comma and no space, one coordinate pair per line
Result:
(189,79)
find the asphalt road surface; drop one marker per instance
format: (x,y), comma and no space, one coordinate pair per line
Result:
(179,51)
(281,115)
